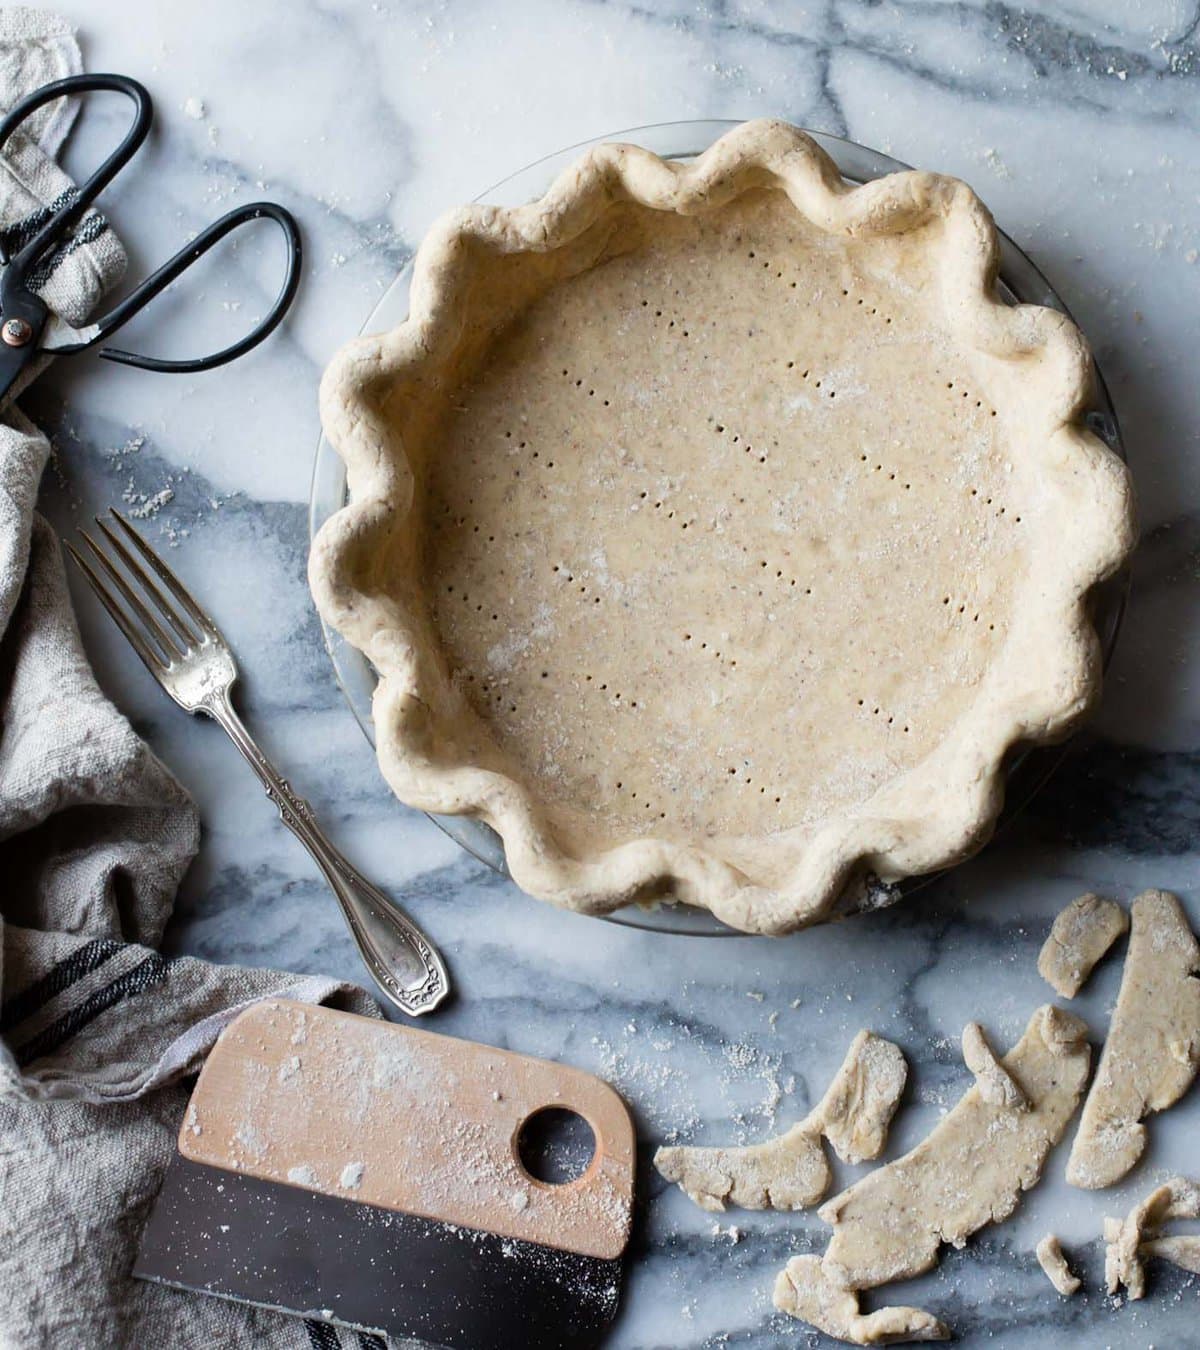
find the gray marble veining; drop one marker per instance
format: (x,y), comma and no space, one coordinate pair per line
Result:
(1078,124)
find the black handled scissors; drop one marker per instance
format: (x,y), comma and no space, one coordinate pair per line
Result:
(24,316)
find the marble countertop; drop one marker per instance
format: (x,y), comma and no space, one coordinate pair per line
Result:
(1077,123)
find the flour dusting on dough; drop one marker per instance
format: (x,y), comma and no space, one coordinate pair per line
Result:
(1079,937)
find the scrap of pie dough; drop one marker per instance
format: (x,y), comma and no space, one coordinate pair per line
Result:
(1153,1046)
(969,1171)
(1079,937)
(803,1291)
(791,1171)
(859,1104)
(995,1083)
(1053,1261)
(1178,1198)
(1182,1251)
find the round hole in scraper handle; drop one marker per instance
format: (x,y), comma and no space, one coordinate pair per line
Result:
(550,1147)
(590,1212)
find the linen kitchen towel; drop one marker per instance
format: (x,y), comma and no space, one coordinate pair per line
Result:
(96,1027)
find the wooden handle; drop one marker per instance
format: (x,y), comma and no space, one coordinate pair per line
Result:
(410,1121)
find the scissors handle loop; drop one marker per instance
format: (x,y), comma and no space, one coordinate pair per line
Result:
(141,296)
(62,221)
(19,301)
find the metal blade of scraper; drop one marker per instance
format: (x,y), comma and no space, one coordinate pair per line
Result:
(351,1170)
(337,1260)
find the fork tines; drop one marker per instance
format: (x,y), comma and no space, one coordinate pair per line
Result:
(187,625)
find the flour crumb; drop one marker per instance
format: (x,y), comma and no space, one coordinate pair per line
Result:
(519,1200)
(143,507)
(194,108)
(302,1175)
(352,1175)
(248,1138)
(118,452)
(991,157)
(289,1069)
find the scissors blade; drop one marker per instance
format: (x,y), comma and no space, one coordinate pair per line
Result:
(13,361)
(23,318)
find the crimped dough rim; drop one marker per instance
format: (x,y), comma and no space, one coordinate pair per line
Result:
(1041,683)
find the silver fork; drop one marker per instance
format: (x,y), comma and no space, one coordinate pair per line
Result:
(193,663)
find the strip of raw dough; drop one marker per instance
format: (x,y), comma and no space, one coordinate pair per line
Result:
(791,1171)
(1079,937)
(1183,1251)
(788,1172)
(1113,1229)
(1153,1045)
(859,1104)
(994,1082)
(802,1291)
(969,1171)
(1178,1198)
(1053,1261)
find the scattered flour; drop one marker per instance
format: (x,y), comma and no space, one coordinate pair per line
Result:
(144,507)
(247,1137)
(991,157)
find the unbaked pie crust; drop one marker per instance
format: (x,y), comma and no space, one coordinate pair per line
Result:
(715,529)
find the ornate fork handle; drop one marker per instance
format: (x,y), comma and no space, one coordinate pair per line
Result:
(399,956)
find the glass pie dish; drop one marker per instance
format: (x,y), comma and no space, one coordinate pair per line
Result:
(1020,282)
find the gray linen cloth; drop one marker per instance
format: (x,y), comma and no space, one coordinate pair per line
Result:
(97,1028)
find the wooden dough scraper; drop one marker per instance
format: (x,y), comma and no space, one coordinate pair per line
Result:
(365,1174)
